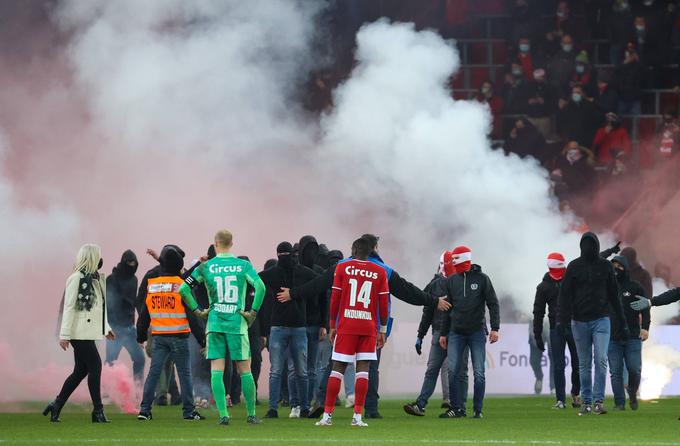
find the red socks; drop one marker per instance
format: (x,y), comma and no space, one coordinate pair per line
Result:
(360,391)
(332,391)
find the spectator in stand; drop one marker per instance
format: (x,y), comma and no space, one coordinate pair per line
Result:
(575,168)
(525,56)
(628,79)
(561,65)
(514,89)
(607,99)
(620,25)
(578,118)
(612,135)
(525,140)
(653,12)
(584,75)
(541,103)
(651,48)
(566,24)
(667,136)
(487,95)
(637,271)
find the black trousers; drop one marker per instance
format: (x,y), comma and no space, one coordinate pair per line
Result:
(87,363)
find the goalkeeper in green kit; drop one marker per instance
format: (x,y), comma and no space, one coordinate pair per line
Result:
(226,278)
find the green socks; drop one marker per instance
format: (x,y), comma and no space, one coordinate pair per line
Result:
(219,393)
(249,392)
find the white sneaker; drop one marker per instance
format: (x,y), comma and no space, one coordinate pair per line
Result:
(294,412)
(326,420)
(350,401)
(357,422)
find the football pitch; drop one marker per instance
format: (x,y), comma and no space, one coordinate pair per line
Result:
(514,421)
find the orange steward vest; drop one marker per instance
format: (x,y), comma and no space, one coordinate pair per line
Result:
(165,306)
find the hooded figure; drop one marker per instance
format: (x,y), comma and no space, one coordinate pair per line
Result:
(462,259)
(637,271)
(155,272)
(623,346)
(588,296)
(308,249)
(334,256)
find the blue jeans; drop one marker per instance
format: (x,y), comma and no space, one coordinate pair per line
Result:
(436,361)
(177,349)
(592,336)
(126,337)
(631,351)
(558,343)
(280,340)
(312,355)
(476,342)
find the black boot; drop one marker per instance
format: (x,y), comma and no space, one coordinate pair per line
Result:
(99,417)
(54,409)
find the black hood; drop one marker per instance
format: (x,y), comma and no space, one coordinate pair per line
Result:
(590,247)
(269,263)
(334,256)
(631,256)
(322,256)
(625,276)
(286,259)
(171,260)
(125,269)
(309,250)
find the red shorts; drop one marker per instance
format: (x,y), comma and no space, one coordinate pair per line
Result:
(349,347)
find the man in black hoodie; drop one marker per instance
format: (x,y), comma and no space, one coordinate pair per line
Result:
(547,293)
(630,348)
(588,291)
(469,292)
(286,328)
(121,289)
(317,324)
(637,272)
(170,323)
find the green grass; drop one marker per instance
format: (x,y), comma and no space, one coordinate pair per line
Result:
(518,421)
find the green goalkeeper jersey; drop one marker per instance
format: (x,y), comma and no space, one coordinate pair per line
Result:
(226,278)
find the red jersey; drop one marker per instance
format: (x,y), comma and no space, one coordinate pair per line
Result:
(360,297)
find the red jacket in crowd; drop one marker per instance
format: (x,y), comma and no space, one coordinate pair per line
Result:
(605,141)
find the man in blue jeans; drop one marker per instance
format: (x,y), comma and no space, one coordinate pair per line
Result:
(469,292)
(589,294)
(629,349)
(284,324)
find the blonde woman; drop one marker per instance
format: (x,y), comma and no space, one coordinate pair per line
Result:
(84,322)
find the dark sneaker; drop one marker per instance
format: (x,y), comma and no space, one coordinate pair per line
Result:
(144,416)
(99,417)
(374,415)
(252,419)
(453,413)
(304,413)
(633,402)
(271,413)
(621,408)
(576,401)
(414,409)
(195,416)
(586,409)
(316,413)
(599,408)
(224,421)
(478,414)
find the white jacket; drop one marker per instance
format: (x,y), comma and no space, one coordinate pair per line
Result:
(84,325)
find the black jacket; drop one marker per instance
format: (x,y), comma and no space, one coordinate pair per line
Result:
(579,122)
(547,293)
(470,294)
(628,80)
(288,314)
(431,316)
(637,272)
(670,296)
(628,289)
(317,308)
(121,291)
(589,286)
(400,288)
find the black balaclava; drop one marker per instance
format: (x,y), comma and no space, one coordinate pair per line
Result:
(123,267)
(309,250)
(590,247)
(284,253)
(630,254)
(296,253)
(322,256)
(172,260)
(211,252)
(621,276)
(334,256)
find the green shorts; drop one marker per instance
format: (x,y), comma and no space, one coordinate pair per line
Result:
(217,344)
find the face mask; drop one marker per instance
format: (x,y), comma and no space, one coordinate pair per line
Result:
(567,47)
(557,273)
(580,69)
(524,47)
(486,91)
(286,261)
(623,6)
(648,2)
(561,14)
(640,28)
(517,71)
(573,155)
(576,97)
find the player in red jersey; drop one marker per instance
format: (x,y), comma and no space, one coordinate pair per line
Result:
(358,301)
